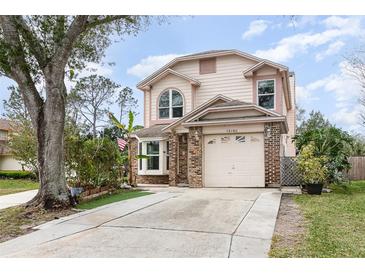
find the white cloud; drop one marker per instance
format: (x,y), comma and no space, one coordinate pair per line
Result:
(255,28)
(288,47)
(150,64)
(350,117)
(303,21)
(304,94)
(346,92)
(332,49)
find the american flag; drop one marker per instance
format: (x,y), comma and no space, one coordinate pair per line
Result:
(121,143)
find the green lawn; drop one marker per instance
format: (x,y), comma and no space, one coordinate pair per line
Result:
(8,186)
(112,198)
(335,224)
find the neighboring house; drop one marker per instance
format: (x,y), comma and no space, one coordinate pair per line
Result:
(216,119)
(7,162)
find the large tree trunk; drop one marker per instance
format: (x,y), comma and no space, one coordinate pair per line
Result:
(53,191)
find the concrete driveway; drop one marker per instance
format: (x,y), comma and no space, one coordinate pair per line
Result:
(174,222)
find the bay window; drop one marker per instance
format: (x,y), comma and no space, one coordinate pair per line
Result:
(156,162)
(266,93)
(153,152)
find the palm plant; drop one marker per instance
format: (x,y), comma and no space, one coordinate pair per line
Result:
(127,132)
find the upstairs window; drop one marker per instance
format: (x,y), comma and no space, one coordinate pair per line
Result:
(266,93)
(207,66)
(170,105)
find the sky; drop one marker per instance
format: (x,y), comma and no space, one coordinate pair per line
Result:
(314,47)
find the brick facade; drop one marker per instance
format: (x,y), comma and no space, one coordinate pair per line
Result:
(272,154)
(183,159)
(173,154)
(186,158)
(143,179)
(195,156)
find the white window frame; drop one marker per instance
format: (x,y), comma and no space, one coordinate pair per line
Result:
(170,104)
(258,95)
(162,157)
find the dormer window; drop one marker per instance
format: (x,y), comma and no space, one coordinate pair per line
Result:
(171,104)
(266,93)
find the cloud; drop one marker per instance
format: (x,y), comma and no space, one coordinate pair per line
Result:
(335,27)
(303,21)
(350,117)
(150,64)
(255,28)
(332,49)
(304,94)
(345,90)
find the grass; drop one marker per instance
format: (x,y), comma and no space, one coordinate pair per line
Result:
(335,224)
(9,186)
(112,198)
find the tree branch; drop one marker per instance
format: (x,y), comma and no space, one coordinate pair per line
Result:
(60,58)
(34,46)
(19,69)
(95,20)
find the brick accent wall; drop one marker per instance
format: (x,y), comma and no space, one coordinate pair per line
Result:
(173,150)
(195,156)
(152,179)
(272,154)
(144,179)
(183,159)
(134,152)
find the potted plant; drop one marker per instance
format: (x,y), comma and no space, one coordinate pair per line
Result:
(312,169)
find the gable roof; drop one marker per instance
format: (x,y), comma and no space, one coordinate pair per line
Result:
(207,104)
(173,72)
(206,54)
(249,71)
(232,106)
(153,131)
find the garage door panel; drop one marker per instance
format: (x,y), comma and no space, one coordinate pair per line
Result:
(235,160)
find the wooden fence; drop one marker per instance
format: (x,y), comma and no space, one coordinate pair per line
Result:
(357,171)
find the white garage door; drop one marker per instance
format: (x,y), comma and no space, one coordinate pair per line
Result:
(234,160)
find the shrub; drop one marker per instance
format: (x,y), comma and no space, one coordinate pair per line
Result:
(17,174)
(311,167)
(94,162)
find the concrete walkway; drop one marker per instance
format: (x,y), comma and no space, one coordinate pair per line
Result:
(16,198)
(174,222)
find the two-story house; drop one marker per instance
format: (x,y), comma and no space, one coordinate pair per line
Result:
(7,161)
(215,119)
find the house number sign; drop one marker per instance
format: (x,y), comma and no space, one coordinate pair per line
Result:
(232,130)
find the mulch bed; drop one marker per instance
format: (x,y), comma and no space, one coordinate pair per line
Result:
(19,220)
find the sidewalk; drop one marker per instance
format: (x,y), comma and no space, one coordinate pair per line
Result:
(16,198)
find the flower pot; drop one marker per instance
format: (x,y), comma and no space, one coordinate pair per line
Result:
(315,189)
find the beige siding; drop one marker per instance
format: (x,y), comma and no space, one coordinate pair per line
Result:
(147,109)
(291,119)
(228,80)
(266,70)
(7,162)
(170,81)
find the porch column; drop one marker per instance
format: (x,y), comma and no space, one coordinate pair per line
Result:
(173,161)
(195,156)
